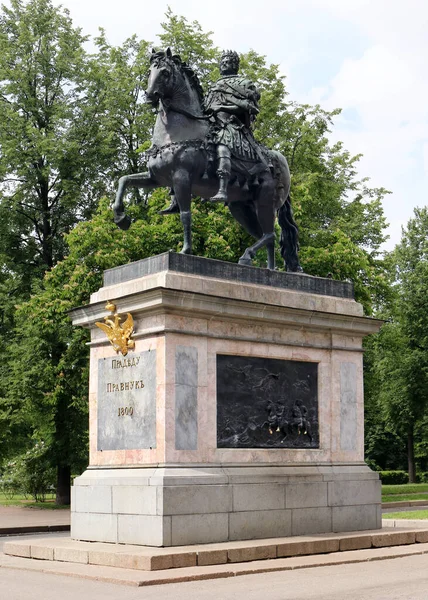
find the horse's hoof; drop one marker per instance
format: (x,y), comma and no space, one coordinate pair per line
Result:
(123,221)
(247,262)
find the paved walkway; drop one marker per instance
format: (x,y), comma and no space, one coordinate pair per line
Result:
(22,519)
(404,578)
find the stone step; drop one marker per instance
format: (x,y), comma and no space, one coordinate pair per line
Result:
(156,559)
(133,577)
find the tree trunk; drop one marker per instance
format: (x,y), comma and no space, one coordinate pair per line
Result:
(63,476)
(411,456)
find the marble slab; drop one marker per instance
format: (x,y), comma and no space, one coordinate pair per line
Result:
(126,402)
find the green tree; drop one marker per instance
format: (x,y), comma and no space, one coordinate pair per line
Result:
(47,134)
(194,46)
(117,80)
(49,180)
(400,351)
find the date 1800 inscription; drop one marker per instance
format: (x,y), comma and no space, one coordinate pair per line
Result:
(123,411)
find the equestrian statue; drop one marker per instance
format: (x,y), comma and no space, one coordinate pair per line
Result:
(205,147)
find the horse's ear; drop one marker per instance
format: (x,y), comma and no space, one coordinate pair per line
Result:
(153,51)
(168,52)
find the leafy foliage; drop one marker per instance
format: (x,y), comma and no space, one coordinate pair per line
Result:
(399,361)
(29,473)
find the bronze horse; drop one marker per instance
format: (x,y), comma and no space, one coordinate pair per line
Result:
(179,158)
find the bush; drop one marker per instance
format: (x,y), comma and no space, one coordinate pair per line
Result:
(29,474)
(422,477)
(10,485)
(394,477)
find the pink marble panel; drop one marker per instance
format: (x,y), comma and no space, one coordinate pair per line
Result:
(339,455)
(169,430)
(186,324)
(325,404)
(346,341)
(135,456)
(145,324)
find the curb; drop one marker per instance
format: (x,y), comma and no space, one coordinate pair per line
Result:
(404,504)
(33,529)
(406,523)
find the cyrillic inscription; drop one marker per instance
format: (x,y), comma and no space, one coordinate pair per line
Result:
(124,363)
(125,386)
(126,402)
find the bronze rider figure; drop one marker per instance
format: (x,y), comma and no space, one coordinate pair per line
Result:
(232,106)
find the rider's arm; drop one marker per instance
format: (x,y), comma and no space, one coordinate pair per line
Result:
(237,107)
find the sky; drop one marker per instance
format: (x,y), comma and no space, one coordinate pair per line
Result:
(367,57)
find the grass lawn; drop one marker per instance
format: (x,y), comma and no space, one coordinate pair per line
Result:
(404,497)
(408,514)
(20,500)
(408,488)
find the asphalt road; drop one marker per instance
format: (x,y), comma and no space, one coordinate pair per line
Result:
(391,579)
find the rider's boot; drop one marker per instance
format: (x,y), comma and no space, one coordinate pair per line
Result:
(221,195)
(223,172)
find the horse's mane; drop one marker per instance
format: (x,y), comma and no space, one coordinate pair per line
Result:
(184,68)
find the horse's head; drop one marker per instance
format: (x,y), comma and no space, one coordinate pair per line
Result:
(170,77)
(162,76)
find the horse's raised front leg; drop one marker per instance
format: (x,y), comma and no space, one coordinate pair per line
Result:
(182,188)
(138,180)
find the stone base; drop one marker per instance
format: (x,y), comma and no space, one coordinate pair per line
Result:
(199,505)
(238,415)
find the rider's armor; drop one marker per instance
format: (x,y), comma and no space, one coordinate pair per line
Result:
(232,103)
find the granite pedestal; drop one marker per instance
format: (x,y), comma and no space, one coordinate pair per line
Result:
(238,415)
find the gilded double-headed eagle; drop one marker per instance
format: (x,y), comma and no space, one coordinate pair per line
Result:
(118,334)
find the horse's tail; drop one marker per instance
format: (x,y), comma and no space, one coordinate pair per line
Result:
(289,241)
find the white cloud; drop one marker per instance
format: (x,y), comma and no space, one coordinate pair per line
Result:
(387,88)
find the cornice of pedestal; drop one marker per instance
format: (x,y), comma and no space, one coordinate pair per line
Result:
(182,295)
